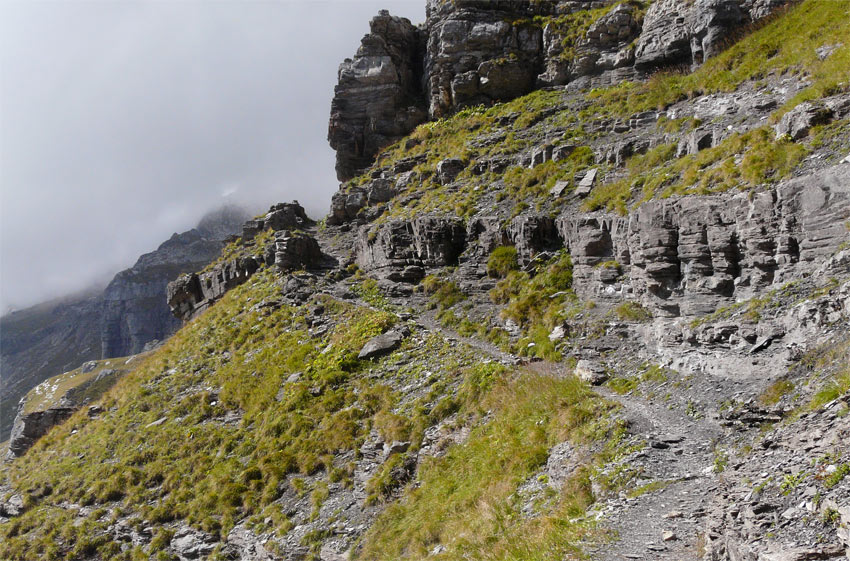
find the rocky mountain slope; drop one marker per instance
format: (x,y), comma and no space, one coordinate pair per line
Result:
(605,319)
(45,340)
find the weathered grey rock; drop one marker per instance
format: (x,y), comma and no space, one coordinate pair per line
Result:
(608,43)
(695,141)
(188,543)
(693,254)
(192,293)
(11,507)
(473,52)
(345,205)
(425,241)
(282,216)
(448,169)
(798,121)
(532,234)
(296,250)
(474,55)
(28,428)
(379,191)
(487,232)
(243,545)
(383,344)
(676,32)
(378,98)
(585,186)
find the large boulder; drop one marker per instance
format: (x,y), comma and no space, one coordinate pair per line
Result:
(295,250)
(383,344)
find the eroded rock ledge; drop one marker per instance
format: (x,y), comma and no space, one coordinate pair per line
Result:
(679,256)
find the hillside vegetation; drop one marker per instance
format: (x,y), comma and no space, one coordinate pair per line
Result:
(677,392)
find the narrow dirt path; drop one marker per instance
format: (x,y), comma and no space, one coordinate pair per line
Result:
(660,515)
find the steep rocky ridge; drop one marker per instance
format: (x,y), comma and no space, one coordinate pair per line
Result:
(40,342)
(471,52)
(134,312)
(277,238)
(606,324)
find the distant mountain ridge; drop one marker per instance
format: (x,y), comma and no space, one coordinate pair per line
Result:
(54,337)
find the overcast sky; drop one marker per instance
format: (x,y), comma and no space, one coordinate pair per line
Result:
(123,122)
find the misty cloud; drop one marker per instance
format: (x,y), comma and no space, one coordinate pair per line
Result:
(123,122)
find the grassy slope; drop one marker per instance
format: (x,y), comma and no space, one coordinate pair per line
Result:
(235,359)
(163,450)
(782,46)
(48,393)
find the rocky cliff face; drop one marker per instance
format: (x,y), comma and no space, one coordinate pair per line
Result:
(38,342)
(471,52)
(135,311)
(378,99)
(134,301)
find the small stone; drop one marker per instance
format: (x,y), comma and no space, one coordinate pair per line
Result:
(669,536)
(559,188)
(558,333)
(591,372)
(586,184)
(157,422)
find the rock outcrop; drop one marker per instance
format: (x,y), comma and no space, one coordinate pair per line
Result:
(692,255)
(378,98)
(401,249)
(192,293)
(680,256)
(56,399)
(677,32)
(295,250)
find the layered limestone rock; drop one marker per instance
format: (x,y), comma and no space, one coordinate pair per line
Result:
(192,293)
(476,55)
(682,256)
(295,250)
(690,255)
(401,249)
(378,98)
